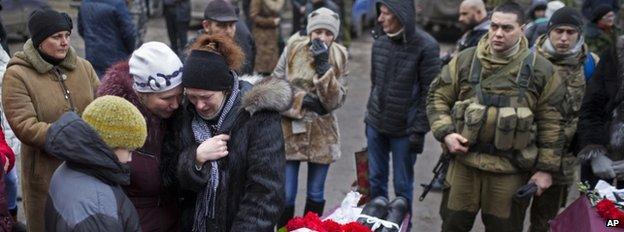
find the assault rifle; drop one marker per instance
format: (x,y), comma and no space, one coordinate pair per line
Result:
(440,167)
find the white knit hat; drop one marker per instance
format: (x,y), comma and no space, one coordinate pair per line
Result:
(553,6)
(324,18)
(155,68)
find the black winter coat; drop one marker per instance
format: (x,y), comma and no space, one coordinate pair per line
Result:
(402,69)
(600,99)
(108,32)
(250,195)
(85,193)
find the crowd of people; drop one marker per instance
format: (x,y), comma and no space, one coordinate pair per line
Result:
(208,134)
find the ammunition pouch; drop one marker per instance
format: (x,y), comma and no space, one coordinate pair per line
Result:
(474,117)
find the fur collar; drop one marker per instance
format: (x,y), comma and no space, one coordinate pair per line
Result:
(31,56)
(268,93)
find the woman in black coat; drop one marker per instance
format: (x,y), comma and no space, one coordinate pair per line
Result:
(239,185)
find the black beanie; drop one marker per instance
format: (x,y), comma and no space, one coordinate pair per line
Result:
(567,16)
(599,12)
(46,22)
(208,71)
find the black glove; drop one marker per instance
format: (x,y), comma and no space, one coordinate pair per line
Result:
(321,56)
(417,142)
(314,104)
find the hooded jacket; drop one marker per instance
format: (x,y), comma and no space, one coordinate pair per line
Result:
(250,194)
(85,193)
(108,32)
(34,95)
(153,184)
(402,69)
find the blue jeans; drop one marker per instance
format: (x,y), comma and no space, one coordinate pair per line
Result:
(316,181)
(10,181)
(379,148)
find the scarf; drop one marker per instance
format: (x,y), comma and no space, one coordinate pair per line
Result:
(549,49)
(491,62)
(202,131)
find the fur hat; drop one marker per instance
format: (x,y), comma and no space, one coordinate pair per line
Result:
(117,121)
(324,18)
(155,68)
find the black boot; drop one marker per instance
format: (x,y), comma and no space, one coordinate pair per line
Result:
(397,209)
(17,225)
(377,207)
(315,207)
(288,213)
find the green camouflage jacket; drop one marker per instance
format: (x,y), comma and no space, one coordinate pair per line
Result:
(452,86)
(570,68)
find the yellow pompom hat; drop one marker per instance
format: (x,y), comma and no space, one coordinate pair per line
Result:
(119,123)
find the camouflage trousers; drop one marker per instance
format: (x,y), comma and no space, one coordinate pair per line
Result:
(473,190)
(545,207)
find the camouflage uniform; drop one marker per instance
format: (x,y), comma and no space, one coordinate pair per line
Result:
(598,40)
(487,177)
(546,206)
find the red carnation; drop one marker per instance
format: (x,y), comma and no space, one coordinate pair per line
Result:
(355,227)
(295,223)
(331,226)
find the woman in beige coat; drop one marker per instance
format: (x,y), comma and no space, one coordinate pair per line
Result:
(316,66)
(265,17)
(41,83)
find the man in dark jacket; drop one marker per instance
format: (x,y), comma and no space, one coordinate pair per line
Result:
(107,41)
(177,16)
(474,21)
(590,5)
(404,61)
(220,17)
(299,10)
(3,36)
(233,147)
(151,81)
(603,96)
(85,191)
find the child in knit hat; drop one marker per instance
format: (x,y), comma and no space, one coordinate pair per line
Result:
(85,191)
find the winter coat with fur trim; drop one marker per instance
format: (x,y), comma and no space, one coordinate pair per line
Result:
(33,97)
(319,142)
(152,188)
(250,195)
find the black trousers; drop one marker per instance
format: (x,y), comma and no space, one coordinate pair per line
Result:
(176,29)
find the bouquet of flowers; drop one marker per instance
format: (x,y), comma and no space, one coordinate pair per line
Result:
(607,206)
(312,222)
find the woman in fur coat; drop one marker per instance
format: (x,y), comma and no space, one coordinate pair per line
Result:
(266,21)
(316,66)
